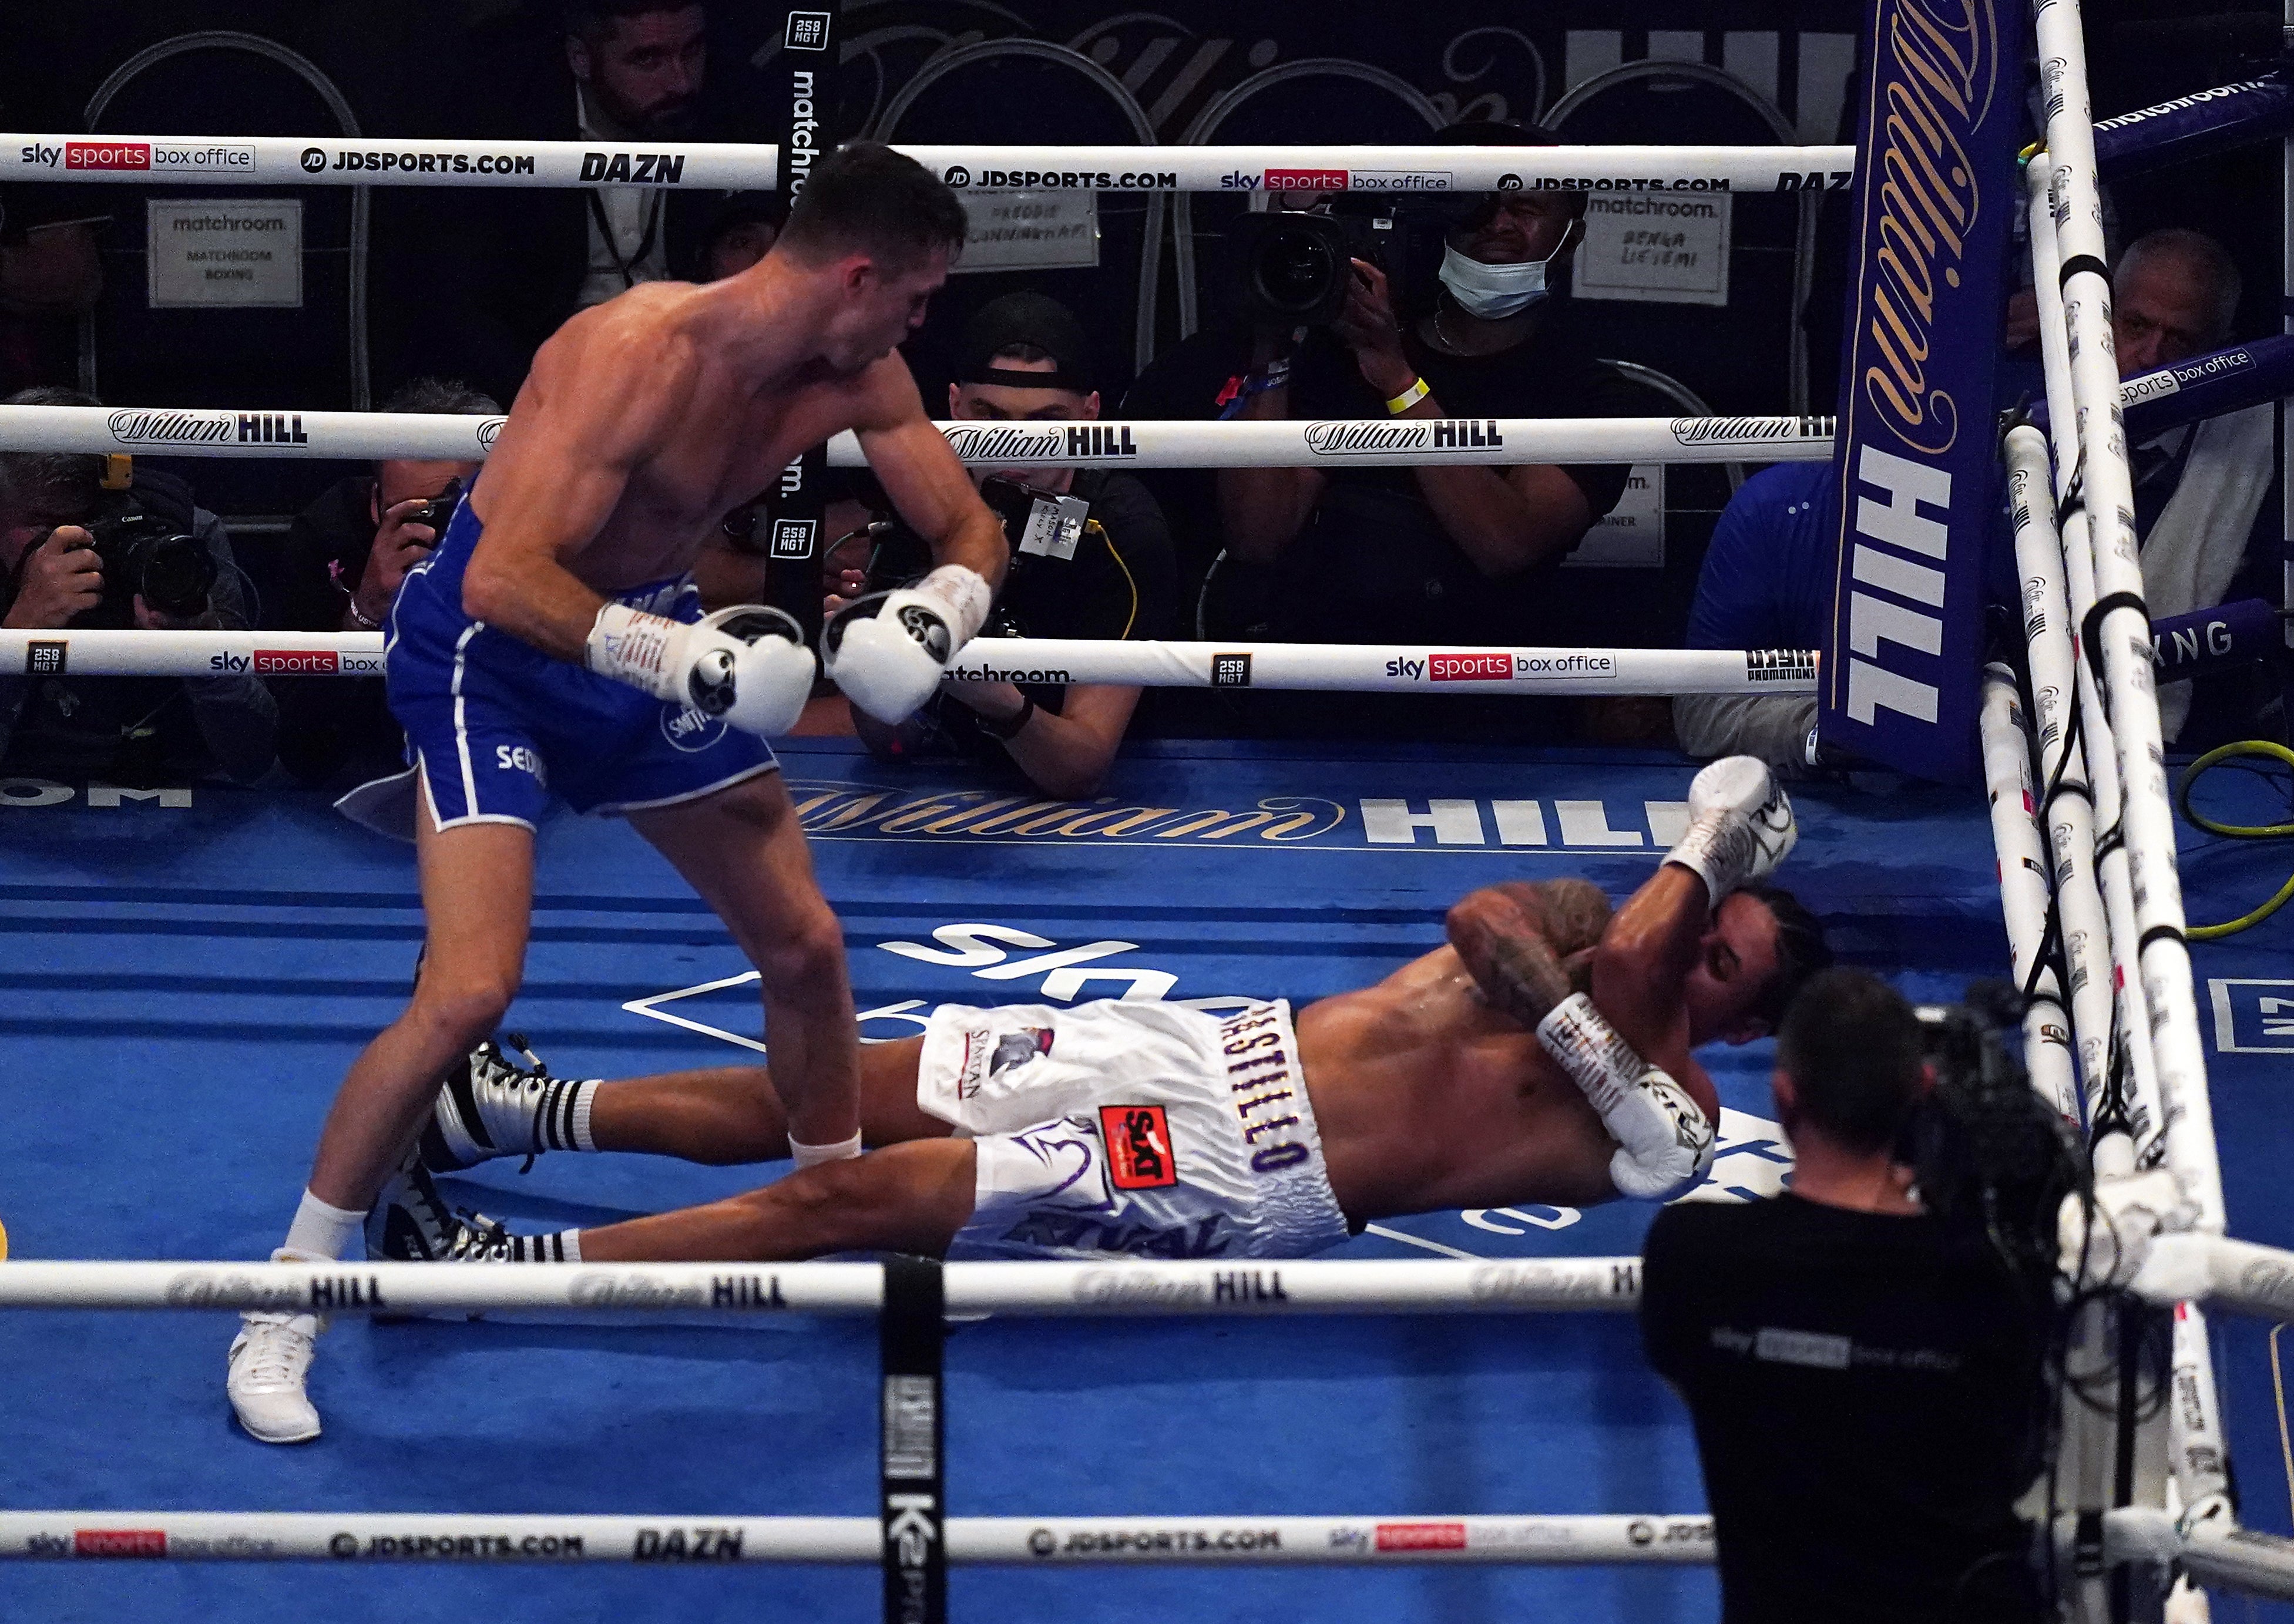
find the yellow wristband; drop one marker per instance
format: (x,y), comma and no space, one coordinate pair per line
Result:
(1409,397)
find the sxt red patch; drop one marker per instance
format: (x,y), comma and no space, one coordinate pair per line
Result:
(1138,1147)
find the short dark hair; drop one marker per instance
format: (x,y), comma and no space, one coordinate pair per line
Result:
(442,397)
(594,20)
(1853,1049)
(47,488)
(1801,950)
(865,197)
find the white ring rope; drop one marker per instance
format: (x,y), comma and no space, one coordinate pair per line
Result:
(1335,668)
(326,160)
(1225,1541)
(1346,441)
(2123,639)
(1118,1286)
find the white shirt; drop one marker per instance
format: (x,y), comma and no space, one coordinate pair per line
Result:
(629,210)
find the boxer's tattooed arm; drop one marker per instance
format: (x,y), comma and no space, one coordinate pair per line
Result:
(1505,950)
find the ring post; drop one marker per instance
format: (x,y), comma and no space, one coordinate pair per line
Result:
(914,1501)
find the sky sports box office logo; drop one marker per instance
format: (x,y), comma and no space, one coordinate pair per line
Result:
(143,157)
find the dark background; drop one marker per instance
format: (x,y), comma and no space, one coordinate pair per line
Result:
(428,67)
(1190,70)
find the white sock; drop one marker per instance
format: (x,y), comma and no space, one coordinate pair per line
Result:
(578,1118)
(564,1247)
(320,1230)
(812,1155)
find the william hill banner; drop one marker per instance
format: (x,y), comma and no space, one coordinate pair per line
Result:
(1936,189)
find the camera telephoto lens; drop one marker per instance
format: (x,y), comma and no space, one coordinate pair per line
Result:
(178,575)
(1296,271)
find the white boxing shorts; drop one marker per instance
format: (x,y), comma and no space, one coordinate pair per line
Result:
(1141,1128)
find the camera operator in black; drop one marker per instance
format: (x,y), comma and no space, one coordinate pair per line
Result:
(129,730)
(1864,1378)
(1021,360)
(345,557)
(1467,554)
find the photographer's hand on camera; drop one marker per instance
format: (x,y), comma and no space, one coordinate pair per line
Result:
(58,578)
(1368,327)
(399,543)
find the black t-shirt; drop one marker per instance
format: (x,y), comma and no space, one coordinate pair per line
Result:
(1121,583)
(1374,564)
(1864,1396)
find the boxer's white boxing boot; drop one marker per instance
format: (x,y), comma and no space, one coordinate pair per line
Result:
(491,1107)
(269,1367)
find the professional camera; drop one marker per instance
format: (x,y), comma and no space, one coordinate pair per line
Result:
(1993,1161)
(1291,268)
(143,554)
(438,512)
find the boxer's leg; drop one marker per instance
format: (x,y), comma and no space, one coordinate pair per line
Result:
(729,1115)
(742,851)
(477,895)
(912,1198)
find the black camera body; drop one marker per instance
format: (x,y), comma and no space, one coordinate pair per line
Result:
(438,512)
(143,554)
(1291,268)
(1992,1159)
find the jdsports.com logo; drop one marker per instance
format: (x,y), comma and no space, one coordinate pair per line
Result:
(313,160)
(956,175)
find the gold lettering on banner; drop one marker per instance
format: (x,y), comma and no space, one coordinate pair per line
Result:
(857,810)
(1126,819)
(1934,85)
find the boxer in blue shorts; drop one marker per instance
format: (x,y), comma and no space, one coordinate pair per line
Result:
(553,643)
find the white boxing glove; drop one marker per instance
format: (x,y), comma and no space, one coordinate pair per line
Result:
(1664,1140)
(1740,825)
(887,651)
(747,664)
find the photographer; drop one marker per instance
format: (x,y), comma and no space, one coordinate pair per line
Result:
(1863,1374)
(88,542)
(1092,558)
(345,557)
(1432,554)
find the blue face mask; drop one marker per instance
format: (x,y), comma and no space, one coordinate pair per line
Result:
(1491,292)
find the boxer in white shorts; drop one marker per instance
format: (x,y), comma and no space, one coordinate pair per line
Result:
(1150,1128)
(1543,1056)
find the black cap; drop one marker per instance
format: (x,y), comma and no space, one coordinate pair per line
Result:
(1036,321)
(1458,207)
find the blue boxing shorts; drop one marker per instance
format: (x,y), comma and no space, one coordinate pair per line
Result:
(495,725)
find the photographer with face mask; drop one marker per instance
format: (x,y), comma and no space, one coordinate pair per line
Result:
(1434,553)
(93,542)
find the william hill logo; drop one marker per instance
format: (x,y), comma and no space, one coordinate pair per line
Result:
(1368,437)
(1936,75)
(272,428)
(1000,442)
